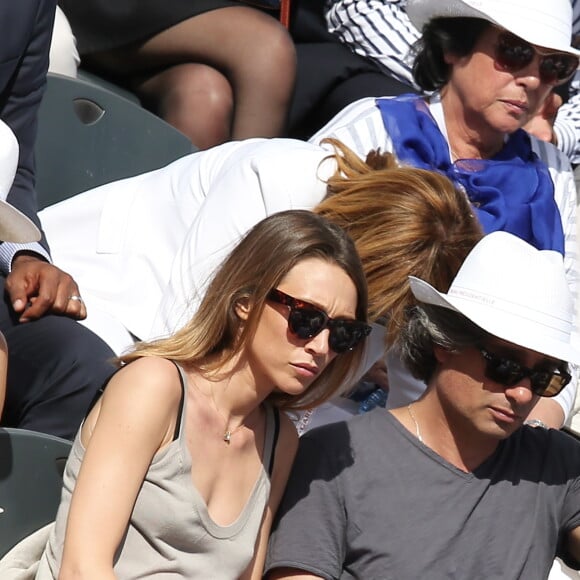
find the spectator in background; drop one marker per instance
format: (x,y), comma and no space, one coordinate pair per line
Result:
(216,70)
(55,364)
(383,33)
(14,226)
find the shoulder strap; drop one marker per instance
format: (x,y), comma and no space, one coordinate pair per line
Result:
(274,439)
(101,390)
(181,401)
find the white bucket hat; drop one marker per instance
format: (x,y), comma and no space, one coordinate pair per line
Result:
(14,225)
(513,291)
(545,23)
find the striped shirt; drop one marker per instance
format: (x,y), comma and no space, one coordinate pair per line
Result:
(381,31)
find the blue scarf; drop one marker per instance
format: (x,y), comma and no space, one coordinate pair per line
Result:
(512,191)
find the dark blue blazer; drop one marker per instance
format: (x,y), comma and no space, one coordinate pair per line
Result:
(25,34)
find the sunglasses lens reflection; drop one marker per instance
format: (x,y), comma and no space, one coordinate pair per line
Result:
(305,321)
(507,372)
(514,54)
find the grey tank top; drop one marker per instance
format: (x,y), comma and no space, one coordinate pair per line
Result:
(170,533)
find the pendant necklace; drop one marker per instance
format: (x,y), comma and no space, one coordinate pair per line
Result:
(417,430)
(227,436)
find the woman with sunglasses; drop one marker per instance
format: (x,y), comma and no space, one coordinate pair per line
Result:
(491,65)
(179,466)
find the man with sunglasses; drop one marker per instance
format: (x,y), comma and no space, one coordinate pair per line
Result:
(453,485)
(485,69)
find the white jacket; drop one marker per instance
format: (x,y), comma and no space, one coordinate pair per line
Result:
(141,249)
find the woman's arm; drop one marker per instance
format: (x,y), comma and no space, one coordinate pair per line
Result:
(285,452)
(291,574)
(549,412)
(135,417)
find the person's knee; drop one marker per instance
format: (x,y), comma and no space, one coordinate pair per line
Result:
(191,84)
(64,57)
(198,100)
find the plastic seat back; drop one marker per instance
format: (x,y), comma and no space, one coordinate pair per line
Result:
(89,135)
(31,467)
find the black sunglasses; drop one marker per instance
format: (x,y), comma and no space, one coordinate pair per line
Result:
(508,372)
(513,54)
(306,321)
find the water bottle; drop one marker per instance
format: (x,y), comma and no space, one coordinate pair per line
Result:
(361,391)
(377,398)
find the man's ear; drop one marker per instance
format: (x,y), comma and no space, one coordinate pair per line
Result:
(242,309)
(441,354)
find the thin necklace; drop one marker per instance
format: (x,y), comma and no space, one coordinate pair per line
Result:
(227,436)
(417,430)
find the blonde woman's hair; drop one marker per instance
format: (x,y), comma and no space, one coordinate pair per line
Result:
(404,221)
(215,335)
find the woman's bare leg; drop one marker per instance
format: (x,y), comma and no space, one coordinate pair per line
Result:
(194,98)
(249,48)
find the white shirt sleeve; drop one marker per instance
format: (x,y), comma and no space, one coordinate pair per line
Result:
(359,126)
(377,30)
(567,125)
(8,250)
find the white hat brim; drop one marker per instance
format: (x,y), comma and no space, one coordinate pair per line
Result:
(15,226)
(502,324)
(420,12)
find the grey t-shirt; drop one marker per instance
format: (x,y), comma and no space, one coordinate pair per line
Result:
(367,500)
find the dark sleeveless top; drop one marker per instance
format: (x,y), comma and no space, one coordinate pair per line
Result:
(106,24)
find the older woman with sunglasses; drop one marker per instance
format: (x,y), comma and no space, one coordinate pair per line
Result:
(491,65)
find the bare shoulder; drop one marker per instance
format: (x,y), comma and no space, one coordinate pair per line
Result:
(147,381)
(150,373)
(143,399)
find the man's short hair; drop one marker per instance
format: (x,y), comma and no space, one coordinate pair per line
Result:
(429,326)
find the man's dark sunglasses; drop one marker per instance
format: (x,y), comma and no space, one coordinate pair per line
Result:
(508,372)
(306,321)
(513,54)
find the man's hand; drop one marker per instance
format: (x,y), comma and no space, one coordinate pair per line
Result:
(36,288)
(541,125)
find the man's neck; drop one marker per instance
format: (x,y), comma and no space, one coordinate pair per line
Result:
(452,437)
